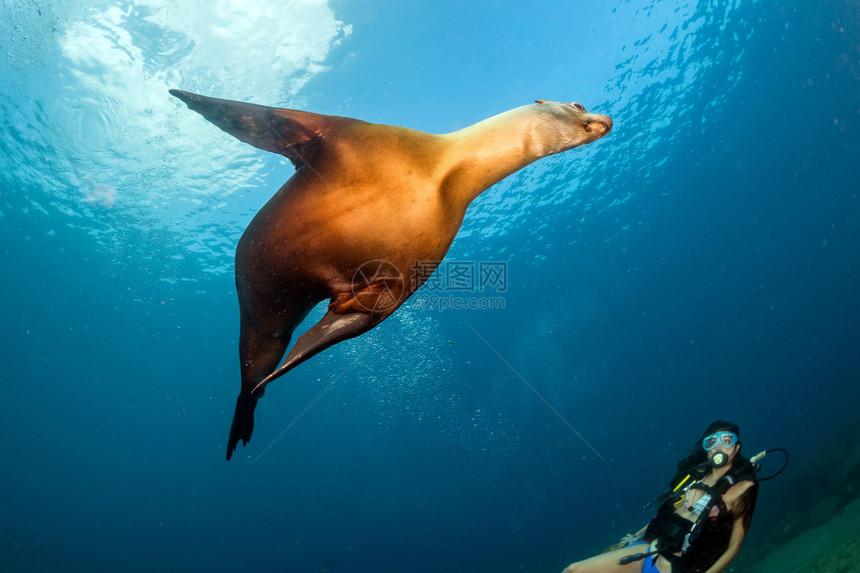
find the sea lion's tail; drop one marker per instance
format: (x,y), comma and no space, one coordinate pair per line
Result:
(279,130)
(243,421)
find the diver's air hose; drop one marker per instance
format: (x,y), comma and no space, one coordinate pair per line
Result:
(754,460)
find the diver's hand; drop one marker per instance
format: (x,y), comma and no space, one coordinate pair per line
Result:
(628,539)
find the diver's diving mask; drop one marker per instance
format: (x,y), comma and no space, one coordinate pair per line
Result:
(726,439)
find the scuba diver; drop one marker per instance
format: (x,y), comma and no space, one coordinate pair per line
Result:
(701,522)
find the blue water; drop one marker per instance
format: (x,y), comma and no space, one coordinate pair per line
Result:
(699,262)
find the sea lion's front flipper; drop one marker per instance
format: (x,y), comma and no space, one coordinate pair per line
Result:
(279,130)
(333,328)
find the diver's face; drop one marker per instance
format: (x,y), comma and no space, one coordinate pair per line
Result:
(722,442)
(730,452)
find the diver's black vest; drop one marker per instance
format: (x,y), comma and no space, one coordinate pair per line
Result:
(701,542)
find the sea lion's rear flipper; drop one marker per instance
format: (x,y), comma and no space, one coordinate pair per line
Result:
(333,328)
(279,130)
(243,421)
(259,354)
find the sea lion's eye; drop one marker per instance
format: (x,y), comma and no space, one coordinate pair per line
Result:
(578,106)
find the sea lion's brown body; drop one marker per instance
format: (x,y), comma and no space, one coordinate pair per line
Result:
(361,193)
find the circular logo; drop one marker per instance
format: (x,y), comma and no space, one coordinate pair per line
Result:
(377,285)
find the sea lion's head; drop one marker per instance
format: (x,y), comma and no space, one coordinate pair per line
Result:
(569,125)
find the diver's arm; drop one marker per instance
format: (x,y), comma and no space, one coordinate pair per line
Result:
(631,538)
(735,541)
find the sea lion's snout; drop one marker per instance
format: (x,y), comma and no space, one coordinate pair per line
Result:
(604,120)
(596,125)
(569,125)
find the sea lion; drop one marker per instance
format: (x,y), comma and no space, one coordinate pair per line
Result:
(366,203)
